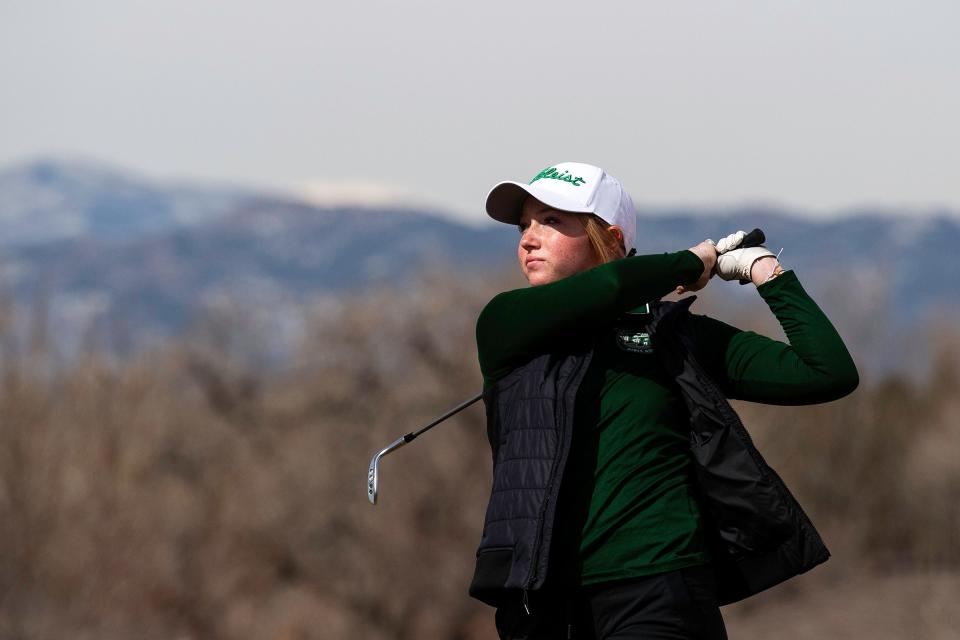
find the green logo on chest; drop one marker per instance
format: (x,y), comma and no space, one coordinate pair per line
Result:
(634,341)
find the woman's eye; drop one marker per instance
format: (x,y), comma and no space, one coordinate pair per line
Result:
(551,219)
(521,227)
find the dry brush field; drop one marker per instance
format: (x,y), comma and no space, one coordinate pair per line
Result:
(190,493)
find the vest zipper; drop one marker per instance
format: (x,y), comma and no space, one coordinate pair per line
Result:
(526,601)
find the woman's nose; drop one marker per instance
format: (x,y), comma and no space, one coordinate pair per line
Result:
(530,238)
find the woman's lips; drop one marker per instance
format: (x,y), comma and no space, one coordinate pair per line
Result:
(530,261)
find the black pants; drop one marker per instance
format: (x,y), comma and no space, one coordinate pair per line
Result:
(676,605)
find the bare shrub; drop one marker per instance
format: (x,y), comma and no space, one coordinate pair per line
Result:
(192,493)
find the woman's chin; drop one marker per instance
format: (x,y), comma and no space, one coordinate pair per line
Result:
(540,277)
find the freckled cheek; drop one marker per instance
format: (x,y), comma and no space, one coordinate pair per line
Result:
(575,258)
(570,254)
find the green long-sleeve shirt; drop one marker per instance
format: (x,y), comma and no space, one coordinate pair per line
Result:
(628,508)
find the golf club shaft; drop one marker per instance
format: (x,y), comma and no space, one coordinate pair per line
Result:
(460,407)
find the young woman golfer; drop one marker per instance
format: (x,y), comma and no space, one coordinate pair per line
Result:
(628,500)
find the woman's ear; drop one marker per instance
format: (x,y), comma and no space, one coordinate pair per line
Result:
(617,233)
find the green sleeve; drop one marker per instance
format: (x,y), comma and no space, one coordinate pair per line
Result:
(518,324)
(814,367)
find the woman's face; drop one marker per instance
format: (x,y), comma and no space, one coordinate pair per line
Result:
(553,244)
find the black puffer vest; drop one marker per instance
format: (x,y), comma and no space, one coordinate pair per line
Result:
(757,534)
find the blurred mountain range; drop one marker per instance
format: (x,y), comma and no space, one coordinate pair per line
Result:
(91,244)
(50,199)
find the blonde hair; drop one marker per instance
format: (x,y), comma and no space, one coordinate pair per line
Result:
(606,246)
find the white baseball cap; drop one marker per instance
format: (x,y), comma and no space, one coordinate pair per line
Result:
(569,186)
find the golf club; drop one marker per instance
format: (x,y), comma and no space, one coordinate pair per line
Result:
(373,473)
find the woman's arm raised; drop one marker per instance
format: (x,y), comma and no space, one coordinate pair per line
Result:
(814,367)
(515,325)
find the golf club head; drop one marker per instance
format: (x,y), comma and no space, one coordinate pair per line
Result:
(373,479)
(373,473)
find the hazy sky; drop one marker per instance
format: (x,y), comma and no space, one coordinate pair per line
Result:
(816,104)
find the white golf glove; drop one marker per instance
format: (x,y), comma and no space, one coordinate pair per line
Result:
(732,241)
(735,264)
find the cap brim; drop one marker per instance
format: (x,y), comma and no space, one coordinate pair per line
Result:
(505,201)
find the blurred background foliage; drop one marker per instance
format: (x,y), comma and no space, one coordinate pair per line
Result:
(189,492)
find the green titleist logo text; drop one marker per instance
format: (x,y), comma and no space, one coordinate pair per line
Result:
(551,173)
